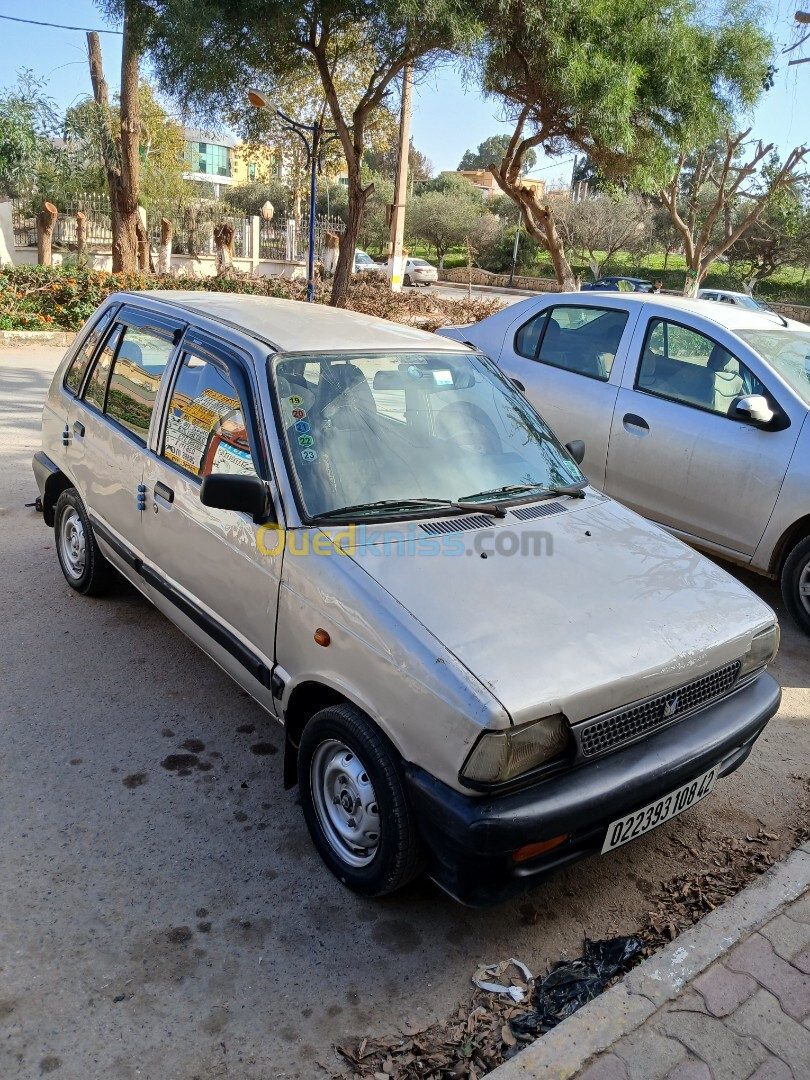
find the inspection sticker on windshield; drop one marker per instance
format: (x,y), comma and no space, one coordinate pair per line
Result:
(640,822)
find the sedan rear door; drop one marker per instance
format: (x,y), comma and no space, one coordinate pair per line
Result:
(568,359)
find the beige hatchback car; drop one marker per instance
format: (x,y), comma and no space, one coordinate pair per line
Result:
(484,667)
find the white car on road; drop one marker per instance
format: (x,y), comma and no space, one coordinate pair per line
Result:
(694,414)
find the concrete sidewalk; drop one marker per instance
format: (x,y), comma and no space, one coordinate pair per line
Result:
(728,1000)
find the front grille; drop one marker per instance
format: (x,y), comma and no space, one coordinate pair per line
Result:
(527,513)
(459,524)
(604,733)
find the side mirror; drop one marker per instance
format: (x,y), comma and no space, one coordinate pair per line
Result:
(230,491)
(576,448)
(754,408)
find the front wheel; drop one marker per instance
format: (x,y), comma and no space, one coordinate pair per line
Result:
(796,584)
(407,280)
(355,803)
(85,568)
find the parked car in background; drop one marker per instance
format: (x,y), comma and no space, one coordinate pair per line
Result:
(483,665)
(619,284)
(739,299)
(694,414)
(363,261)
(419,272)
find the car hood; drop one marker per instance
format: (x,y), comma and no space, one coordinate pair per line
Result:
(595,607)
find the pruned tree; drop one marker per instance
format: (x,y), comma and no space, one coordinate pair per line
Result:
(208,53)
(121,148)
(626,84)
(702,200)
(597,229)
(493,149)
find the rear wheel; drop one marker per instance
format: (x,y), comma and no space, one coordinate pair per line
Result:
(796,583)
(85,568)
(407,280)
(355,803)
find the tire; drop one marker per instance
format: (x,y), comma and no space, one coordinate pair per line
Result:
(345,763)
(796,584)
(85,568)
(407,280)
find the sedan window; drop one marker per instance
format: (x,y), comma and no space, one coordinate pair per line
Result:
(583,339)
(206,429)
(78,365)
(139,365)
(686,366)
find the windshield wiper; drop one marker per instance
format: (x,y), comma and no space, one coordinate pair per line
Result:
(405,504)
(507,489)
(576,491)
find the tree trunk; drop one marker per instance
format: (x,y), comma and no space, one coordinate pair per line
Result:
(165,254)
(223,242)
(348,241)
(123,164)
(144,250)
(81,238)
(46,219)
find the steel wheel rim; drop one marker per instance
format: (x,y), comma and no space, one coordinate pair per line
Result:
(73,543)
(345,802)
(804,587)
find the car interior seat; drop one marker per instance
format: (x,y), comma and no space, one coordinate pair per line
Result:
(728,383)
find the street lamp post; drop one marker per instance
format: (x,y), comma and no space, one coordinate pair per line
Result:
(312,136)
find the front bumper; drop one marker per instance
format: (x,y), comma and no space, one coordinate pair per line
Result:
(471,840)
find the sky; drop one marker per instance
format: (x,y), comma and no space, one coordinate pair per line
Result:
(447,117)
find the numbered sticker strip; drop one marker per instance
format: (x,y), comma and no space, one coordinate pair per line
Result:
(642,821)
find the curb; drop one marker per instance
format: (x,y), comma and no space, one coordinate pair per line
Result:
(563,1052)
(23,338)
(489,288)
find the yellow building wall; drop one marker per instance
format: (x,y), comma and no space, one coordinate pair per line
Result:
(253,164)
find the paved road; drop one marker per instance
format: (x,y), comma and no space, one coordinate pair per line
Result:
(156,925)
(455,292)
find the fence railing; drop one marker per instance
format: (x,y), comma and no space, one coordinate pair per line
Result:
(286,238)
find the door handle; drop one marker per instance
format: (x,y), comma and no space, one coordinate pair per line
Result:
(636,425)
(78,428)
(519,385)
(164,492)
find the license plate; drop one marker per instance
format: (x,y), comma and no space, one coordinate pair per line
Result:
(649,817)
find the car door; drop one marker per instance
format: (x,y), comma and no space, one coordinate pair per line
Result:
(568,359)
(213,571)
(110,420)
(678,452)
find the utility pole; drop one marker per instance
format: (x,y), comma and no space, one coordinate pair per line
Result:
(395,258)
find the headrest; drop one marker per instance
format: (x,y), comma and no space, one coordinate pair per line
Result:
(720,359)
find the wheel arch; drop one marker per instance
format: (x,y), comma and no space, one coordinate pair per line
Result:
(305,700)
(794,534)
(56,483)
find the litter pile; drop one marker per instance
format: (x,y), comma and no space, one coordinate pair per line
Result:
(498,1023)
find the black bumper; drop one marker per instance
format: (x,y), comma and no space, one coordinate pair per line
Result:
(471,840)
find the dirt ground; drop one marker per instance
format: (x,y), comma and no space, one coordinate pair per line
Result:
(159,925)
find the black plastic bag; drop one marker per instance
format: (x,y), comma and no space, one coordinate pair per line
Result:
(573,983)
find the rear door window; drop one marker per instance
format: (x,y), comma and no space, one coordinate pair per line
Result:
(74,376)
(583,339)
(138,367)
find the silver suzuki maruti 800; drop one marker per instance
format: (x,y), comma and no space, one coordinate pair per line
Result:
(484,667)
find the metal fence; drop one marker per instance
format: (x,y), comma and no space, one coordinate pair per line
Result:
(193,230)
(286,238)
(96,209)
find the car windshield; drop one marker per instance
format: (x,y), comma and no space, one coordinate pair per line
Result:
(362,257)
(363,430)
(787,351)
(419,262)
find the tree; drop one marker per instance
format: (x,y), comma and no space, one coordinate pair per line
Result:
(442,220)
(384,161)
(494,149)
(208,52)
(701,199)
(28,117)
(626,84)
(781,236)
(596,229)
(121,146)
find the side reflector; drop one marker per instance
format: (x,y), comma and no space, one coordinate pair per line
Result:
(528,851)
(322,637)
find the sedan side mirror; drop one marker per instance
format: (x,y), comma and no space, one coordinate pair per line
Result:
(576,448)
(230,491)
(754,408)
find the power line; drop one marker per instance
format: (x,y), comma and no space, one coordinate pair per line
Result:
(60,26)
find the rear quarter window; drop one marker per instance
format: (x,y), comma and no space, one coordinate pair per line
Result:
(74,376)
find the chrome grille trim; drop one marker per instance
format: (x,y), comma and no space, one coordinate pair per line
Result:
(602,734)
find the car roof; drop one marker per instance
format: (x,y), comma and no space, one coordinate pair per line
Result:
(726,315)
(295,326)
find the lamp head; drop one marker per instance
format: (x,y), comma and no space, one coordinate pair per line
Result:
(260,100)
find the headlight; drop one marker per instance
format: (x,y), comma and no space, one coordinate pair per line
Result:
(502,755)
(763,649)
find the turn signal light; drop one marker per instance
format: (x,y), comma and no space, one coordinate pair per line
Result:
(322,636)
(528,851)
